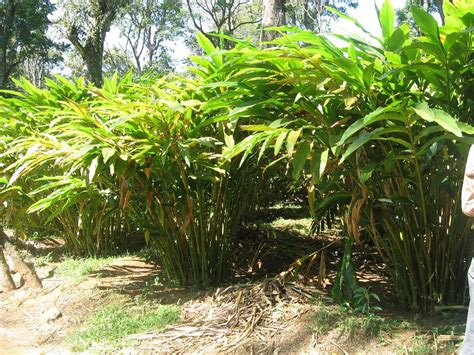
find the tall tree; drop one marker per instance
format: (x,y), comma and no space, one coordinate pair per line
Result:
(23,26)
(147,24)
(86,23)
(433,6)
(306,14)
(36,68)
(274,14)
(312,14)
(222,16)
(117,60)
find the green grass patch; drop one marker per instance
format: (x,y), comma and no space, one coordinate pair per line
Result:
(43,260)
(295,225)
(109,326)
(352,323)
(78,269)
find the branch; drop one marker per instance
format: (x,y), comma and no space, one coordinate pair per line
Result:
(199,27)
(73,37)
(245,23)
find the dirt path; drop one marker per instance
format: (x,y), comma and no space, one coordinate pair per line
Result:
(261,317)
(37,321)
(30,320)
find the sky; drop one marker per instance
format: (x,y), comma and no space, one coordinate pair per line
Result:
(365,13)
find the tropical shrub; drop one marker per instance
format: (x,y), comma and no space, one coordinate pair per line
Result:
(381,126)
(126,160)
(377,129)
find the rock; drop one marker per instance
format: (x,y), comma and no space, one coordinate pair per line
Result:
(52,314)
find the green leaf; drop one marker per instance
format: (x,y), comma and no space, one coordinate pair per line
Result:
(301,156)
(431,48)
(366,172)
(291,141)
(18,172)
(440,117)
(205,43)
(92,168)
(426,23)
(107,153)
(318,164)
(256,128)
(279,142)
(397,39)
(372,117)
(366,137)
(386,17)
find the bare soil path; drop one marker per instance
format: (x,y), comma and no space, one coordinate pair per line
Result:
(37,321)
(262,317)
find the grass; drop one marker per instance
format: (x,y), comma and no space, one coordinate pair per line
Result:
(77,270)
(296,225)
(110,325)
(349,322)
(417,336)
(43,260)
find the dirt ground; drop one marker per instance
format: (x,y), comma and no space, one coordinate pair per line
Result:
(36,321)
(264,317)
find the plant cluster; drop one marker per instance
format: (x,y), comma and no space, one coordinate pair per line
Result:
(376,129)
(382,128)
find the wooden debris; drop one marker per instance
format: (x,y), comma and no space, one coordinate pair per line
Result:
(439,309)
(442,338)
(6,278)
(27,273)
(244,317)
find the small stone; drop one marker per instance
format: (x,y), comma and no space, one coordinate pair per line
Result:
(52,314)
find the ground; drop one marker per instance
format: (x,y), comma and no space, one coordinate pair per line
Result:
(99,305)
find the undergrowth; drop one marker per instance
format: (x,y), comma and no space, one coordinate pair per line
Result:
(76,270)
(350,323)
(109,326)
(419,335)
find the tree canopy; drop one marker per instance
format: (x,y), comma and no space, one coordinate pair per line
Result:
(23,35)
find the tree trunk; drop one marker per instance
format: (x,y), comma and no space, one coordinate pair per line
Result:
(6,283)
(3,62)
(3,72)
(439,5)
(273,15)
(94,68)
(27,273)
(5,37)
(93,56)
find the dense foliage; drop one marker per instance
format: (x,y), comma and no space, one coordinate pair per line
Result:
(23,26)
(377,128)
(374,126)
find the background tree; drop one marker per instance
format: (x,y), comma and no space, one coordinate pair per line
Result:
(228,17)
(306,14)
(147,25)
(85,24)
(434,6)
(73,65)
(23,26)
(37,67)
(274,14)
(312,14)
(117,60)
